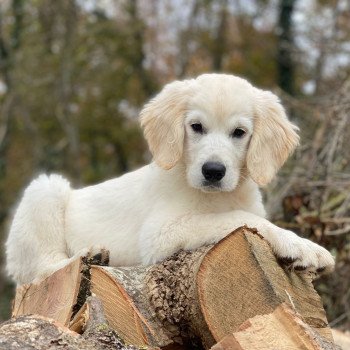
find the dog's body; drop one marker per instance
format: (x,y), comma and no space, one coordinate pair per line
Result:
(211,149)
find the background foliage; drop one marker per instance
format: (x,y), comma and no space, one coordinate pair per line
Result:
(74,74)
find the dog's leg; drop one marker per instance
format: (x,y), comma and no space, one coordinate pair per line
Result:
(193,231)
(36,245)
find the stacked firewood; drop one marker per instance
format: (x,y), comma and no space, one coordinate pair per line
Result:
(233,295)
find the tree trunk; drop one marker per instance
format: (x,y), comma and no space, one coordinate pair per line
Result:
(219,43)
(286,79)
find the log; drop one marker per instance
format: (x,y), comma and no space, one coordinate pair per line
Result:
(192,299)
(53,298)
(283,329)
(61,295)
(199,297)
(41,333)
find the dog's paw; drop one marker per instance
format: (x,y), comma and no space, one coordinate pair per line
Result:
(301,254)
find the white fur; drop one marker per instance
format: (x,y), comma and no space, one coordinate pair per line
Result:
(147,215)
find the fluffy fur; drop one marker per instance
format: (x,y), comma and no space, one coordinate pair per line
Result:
(147,215)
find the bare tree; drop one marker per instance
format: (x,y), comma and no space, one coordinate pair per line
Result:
(220,38)
(68,9)
(285,46)
(138,58)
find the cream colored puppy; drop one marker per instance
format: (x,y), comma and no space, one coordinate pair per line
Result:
(215,140)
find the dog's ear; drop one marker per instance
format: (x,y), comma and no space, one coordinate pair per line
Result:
(162,120)
(274,138)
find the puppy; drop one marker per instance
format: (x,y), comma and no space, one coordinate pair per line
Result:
(215,140)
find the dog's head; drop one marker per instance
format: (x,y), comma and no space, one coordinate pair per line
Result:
(222,128)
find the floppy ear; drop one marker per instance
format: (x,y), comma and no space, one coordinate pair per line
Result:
(274,138)
(162,120)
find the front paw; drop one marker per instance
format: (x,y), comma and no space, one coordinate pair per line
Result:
(301,254)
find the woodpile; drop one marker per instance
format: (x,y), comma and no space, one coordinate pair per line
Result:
(233,295)
(41,333)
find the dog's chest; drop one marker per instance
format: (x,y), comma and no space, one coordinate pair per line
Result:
(213,204)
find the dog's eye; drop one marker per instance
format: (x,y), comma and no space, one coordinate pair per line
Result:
(197,128)
(238,133)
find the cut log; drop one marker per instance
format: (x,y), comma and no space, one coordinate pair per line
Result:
(199,297)
(61,295)
(192,299)
(54,297)
(40,333)
(283,329)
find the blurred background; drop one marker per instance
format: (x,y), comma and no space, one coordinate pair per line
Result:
(74,75)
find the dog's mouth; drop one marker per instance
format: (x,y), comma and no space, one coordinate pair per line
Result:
(210,186)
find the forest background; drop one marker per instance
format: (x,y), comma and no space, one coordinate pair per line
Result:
(74,75)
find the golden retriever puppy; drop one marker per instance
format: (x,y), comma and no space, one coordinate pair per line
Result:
(215,140)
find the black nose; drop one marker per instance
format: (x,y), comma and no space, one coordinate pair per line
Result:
(213,171)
